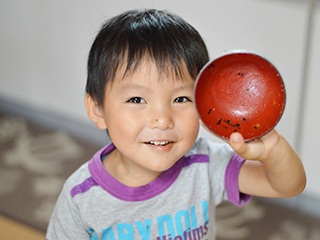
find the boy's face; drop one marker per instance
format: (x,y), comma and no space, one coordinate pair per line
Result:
(151,118)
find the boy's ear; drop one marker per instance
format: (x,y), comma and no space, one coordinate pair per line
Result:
(94,112)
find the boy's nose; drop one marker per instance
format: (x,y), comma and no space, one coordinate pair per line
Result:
(162,120)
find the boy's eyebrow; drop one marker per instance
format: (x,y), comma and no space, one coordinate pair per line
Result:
(129,87)
(186,87)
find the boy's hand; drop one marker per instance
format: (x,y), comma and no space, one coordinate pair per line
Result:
(277,170)
(262,149)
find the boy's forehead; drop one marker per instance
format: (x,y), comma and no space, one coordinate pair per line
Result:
(148,73)
(147,69)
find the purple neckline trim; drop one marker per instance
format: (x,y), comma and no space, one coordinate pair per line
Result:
(101,177)
(196,158)
(133,194)
(232,181)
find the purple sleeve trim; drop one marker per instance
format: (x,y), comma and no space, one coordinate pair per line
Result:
(83,187)
(231,181)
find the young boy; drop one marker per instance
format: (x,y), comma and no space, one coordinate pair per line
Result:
(157,179)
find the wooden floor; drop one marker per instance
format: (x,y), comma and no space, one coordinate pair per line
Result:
(12,230)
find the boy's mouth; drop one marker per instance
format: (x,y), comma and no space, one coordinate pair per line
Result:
(159,143)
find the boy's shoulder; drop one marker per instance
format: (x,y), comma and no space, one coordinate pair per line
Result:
(78,176)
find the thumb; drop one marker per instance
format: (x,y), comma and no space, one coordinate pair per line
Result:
(239,146)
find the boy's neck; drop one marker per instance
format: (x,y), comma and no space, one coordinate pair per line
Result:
(128,173)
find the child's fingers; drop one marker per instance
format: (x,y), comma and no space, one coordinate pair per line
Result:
(253,150)
(259,149)
(238,144)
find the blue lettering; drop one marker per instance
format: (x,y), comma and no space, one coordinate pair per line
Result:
(194,217)
(184,226)
(107,234)
(125,231)
(169,222)
(178,220)
(189,232)
(144,230)
(205,211)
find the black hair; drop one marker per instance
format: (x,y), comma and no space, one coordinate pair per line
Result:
(128,38)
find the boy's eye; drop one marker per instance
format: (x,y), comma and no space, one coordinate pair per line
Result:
(182,99)
(136,100)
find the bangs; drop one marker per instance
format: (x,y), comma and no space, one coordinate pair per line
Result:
(157,39)
(169,66)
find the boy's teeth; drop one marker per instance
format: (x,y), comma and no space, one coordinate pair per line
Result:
(159,142)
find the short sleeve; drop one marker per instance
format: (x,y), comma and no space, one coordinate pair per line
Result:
(65,222)
(231,181)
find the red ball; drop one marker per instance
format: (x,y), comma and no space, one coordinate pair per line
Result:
(240,92)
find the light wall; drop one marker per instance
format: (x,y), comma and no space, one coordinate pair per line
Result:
(44,47)
(310,128)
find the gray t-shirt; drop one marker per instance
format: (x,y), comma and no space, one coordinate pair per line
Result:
(178,205)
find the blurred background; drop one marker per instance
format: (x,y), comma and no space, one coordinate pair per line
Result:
(44,47)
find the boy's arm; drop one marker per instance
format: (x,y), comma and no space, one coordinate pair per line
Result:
(275,170)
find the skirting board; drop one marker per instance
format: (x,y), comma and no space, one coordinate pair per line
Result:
(54,121)
(305,203)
